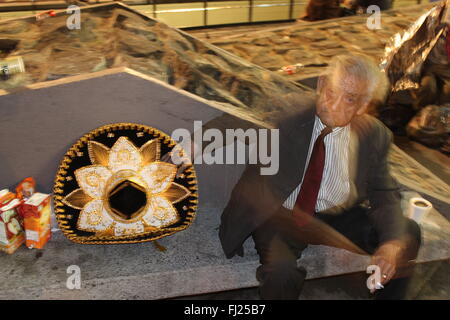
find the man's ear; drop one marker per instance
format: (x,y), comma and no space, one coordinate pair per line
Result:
(363,108)
(320,83)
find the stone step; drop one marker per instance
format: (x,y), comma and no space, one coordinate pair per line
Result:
(193,264)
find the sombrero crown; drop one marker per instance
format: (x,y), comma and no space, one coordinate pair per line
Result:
(112,187)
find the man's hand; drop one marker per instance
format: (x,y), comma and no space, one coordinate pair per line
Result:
(388,257)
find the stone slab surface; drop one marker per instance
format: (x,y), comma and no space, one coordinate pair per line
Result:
(193,264)
(415,176)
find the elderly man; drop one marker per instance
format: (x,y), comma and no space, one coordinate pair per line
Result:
(333,188)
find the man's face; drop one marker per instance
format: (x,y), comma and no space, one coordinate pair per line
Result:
(340,100)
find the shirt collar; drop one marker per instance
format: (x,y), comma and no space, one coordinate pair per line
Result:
(320,126)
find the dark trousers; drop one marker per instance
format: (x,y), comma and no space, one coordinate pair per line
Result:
(281,278)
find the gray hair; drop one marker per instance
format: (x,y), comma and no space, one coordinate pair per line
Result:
(363,68)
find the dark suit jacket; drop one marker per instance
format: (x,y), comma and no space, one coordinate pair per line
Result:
(256,197)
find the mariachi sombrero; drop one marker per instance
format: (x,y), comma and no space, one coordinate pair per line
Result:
(112,187)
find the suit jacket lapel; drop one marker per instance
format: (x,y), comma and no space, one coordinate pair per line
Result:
(358,158)
(354,155)
(295,156)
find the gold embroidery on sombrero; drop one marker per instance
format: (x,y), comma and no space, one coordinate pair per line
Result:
(138,168)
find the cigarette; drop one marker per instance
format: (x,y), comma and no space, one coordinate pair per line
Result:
(379,285)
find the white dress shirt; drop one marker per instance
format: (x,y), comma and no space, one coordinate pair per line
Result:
(335,186)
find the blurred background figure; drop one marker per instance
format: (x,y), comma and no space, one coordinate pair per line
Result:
(435,83)
(419,103)
(323,9)
(364,4)
(328,9)
(431,125)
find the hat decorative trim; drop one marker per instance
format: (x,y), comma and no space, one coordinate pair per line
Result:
(123,167)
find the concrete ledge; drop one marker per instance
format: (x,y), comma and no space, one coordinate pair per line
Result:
(193,264)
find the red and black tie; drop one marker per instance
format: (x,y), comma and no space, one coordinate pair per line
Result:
(306,200)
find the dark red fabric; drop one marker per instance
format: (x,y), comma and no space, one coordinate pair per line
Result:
(306,200)
(448,42)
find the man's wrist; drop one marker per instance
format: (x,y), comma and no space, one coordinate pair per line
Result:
(396,242)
